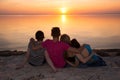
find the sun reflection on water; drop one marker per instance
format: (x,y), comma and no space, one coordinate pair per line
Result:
(63,18)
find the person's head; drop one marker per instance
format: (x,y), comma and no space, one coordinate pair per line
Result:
(65,38)
(55,32)
(75,43)
(39,36)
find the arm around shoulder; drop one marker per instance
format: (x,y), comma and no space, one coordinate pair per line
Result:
(74,50)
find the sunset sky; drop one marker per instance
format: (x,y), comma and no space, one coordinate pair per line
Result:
(59,6)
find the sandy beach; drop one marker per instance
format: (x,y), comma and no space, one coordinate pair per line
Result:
(50,27)
(9,62)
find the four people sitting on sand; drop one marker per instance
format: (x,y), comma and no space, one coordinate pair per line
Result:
(54,50)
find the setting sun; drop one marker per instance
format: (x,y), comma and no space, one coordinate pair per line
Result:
(63,10)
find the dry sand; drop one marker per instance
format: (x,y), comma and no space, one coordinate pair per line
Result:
(8,71)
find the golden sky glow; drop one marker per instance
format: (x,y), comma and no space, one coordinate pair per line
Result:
(54,6)
(63,10)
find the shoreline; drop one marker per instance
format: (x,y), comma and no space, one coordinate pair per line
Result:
(101,52)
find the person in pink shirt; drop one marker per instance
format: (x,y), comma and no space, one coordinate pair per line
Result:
(56,49)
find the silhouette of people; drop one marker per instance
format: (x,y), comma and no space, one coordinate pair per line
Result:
(56,49)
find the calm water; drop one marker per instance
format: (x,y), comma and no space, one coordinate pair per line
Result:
(99,31)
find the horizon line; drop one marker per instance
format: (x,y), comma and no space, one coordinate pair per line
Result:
(62,14)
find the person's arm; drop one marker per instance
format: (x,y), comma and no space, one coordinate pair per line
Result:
(50,62)
(82,59)
(25,60)
(81,48)
(36,47)
(74,50)
(76,62)
(73,65)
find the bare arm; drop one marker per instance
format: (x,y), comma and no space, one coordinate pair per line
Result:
(34,47)
(27,57)
(81,58)
(73,64)
(76,62)
(25,60)
(74,50)
(49,61)
(81,48)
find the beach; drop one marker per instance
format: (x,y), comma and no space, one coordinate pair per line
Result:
(10,59)
(87,21)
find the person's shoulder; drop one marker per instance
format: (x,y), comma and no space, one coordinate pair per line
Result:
(47,40)
(63,43)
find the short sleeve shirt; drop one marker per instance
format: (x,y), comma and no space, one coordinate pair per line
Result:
(56,51)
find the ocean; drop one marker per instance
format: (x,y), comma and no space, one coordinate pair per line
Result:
(100,31)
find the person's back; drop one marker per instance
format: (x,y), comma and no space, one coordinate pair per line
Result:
(56,48)
(36,57)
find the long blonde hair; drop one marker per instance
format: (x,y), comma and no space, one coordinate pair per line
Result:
(65,38)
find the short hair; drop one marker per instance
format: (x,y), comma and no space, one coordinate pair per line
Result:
(39,36)
(55,32)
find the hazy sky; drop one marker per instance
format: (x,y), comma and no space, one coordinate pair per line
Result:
(54,6)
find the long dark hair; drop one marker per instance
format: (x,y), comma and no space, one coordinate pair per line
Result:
(75,43)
